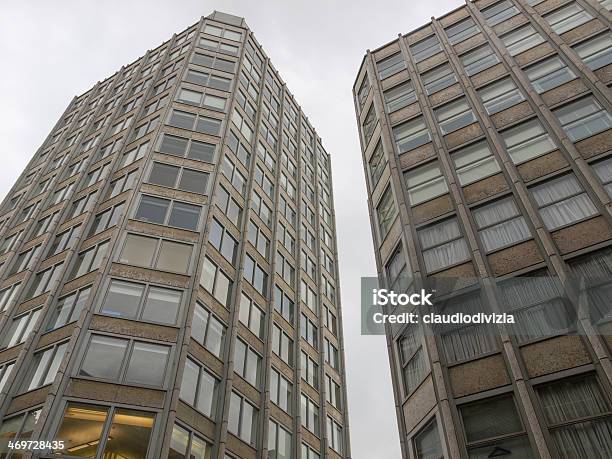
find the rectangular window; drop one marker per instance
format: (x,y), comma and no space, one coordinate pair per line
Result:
(186,148)
(521,39)
(578,413)
(333,393)
(331,354)
(399,96)
(492,424)
(461,30)
(206,79)
(309,331)
(192,122)
(425,182)
(185,444)
(499,12)
(443,245)
(106,219)
(411,134)
(281,390)
(247,363)
(255,275)
(68,308)
(548,74)
(478,59)
(500,95)
(199,388)
(229,206)
(125,361)
(283,304)
(279,441)
(454,116)
(474,163)
(252,316)
(369,123)
(390,66)
(135,301)
(222,240)
(44,281)
(583,118)
(425,48)
(562,201)
(169,213)
(242,419)
(363,92)
(335,438)
(527,141)
(500,224)
(282,344)
(178,177)
(385,213)
(161,254)
(412,357)
(377,163)
(603,169)
(309,413)
(596,52)
(215,281)
(397,271)
(310,370)
(207,330)
(439,78)
(427,442)
(567,18)
(43,367)
(89,260)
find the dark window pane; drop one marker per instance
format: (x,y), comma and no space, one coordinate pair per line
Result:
(163,174)
(182,119)
(147,364)
(173,145)
(202,151)
(162,305)
(122,299)
(152,209)
(208,125)
(104,357)
(195,181)
(184,215)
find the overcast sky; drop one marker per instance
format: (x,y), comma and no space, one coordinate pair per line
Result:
(54,50)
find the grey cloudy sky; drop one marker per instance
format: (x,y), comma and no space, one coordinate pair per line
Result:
(53,50)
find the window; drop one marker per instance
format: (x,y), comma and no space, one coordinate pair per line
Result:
(44,281)
(145,128)
(411,134)
(282,345)
(578,414)
(125,182)
(252,316)
(179,177)
(425,48)
(310,370)
(83,425)
(25,260)
(562,201)
(399,96)
(7,295)
(454,116)
(412,358)
(43,367)
(500,224)
(207,330)
(20,426)
(242,418)
(89,260)
(281,390)
(198,99)
(192,122)
(331,354)
(567,18)
(247,363)
(166,212)
(487,421)
(333,393)
(385,213)
(499,12)
(583,118)
(443,245)
(225,33)
(279,441)
(5,372)
(255,275)
(309,331)
(369,123)
(215,282)
(461,30)
(335,438)
(261,209)
(222,240)
(106,219)
(397,272)
(439,78)
(186,148)
(156,253)
(228,206)
(478,59)
(425,183)
(233,174)
(603,169)
(199,388)
(68,308)
(390,66)
(214,45)
(286,239)
(206,79)
(474,163)
(549,74)
(500,95)
(309,453)
(283,304)
(363,92)
(527,141)
(126,361)
(185,444)
(263,180)
(240,149)
(284,268)
(136,301)
(213,62)
(427,442)
(521,39)
(309,412)
(596,52)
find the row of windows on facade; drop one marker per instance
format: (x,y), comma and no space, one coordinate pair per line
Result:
(86,427)
(561,201)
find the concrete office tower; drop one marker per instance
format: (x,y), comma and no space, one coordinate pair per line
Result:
(169,269)
(486,144)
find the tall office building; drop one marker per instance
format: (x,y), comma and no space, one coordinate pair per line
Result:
(169,278)
(486,145)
